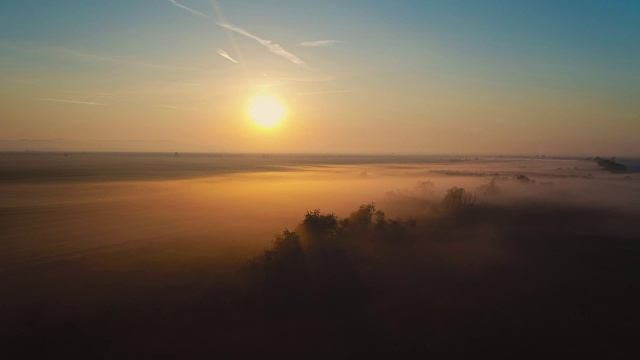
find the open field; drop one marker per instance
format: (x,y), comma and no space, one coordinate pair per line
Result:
(145,254)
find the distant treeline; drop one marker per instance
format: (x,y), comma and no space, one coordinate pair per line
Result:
(610,165)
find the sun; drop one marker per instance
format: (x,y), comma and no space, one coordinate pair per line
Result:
(266,111)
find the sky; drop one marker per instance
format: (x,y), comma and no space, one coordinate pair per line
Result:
(432,77)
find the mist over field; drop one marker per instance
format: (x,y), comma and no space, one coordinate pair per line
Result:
(316,256)
(218,179)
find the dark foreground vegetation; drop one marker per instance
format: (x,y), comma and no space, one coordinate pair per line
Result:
(464,277)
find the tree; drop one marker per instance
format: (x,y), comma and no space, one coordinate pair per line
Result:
(458,197)
(362,218)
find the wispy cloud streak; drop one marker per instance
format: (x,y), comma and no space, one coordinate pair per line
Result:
(274,48)
(320,43)
(90,94)
(225,55)
(77,55)
(196,12)
(325,92)
(304,79)
(130,62)
(74,102)
(179,107)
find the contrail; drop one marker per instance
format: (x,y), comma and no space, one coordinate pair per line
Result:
(320,43)
(236,49)
(174,2)
(225,55)
(74,102)
(274,48)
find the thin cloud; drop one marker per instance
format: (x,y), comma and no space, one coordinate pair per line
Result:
(137,63)
(104,96)
(305,79)
(178,107)
(196,12)
(84,94)
(274,48)
(320,43)
(325,92)
(225,55)
(74,102)
(78,55)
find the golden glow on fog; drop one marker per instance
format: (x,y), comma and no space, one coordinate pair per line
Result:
(266,111)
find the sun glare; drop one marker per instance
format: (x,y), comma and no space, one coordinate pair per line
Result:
(266,111)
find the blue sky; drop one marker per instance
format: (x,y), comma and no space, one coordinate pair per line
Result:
(498,76)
